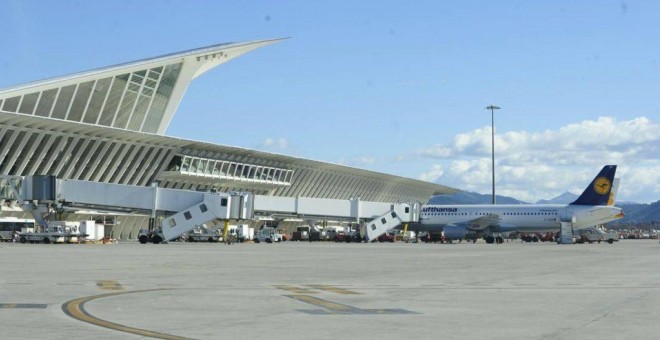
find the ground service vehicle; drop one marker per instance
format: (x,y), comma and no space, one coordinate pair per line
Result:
(55,232)
(348,237)
(10,226)
(592,235)
(387,237)
(243,232)
(301,234)
(203,234)
(268,235)
(316,236)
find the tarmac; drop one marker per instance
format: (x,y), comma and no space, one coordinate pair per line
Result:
(302,290)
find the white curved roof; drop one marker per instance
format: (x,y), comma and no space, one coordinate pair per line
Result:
(142,95)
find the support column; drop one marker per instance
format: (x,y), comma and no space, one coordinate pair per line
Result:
(224,232)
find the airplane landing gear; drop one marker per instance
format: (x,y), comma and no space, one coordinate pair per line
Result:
(492,239)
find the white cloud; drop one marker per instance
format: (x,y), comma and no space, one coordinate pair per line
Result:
(432,175)
(638,180)
(585,143)
(357,161)
(274,144)
(282,143)
(364,160)
(536,165)
(268,142)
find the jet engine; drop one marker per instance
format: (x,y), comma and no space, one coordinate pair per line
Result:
(455,232)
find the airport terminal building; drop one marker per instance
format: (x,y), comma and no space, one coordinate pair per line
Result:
(107,125)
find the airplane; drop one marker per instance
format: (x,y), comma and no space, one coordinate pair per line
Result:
(593,207)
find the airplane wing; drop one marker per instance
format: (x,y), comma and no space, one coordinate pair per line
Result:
(483,222)
(480,223)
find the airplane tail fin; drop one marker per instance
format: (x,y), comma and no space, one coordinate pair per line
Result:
(598,191)
(613,192)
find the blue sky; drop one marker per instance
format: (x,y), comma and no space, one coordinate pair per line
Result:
(391,86)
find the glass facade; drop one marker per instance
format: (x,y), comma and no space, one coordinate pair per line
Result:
(133,101)
(219,169)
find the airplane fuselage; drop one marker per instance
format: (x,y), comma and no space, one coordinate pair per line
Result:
(521,218)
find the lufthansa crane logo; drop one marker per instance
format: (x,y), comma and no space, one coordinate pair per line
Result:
(602,185)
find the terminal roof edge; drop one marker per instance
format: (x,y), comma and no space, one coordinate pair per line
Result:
(162,80)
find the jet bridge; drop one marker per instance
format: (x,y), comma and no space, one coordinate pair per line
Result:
(379,216)
(183,210)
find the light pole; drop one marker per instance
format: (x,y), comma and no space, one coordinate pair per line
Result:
(492,109)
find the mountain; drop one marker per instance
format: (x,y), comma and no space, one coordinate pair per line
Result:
(464,197)
(564,198)
(640,213)
(568,197)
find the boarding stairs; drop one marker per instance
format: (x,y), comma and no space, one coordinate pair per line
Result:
(378,226)
(213,206)
(566,233)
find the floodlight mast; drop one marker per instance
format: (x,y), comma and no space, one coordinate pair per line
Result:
(492,109)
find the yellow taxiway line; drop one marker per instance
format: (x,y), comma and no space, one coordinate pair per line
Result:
(76,309)
(333,289)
